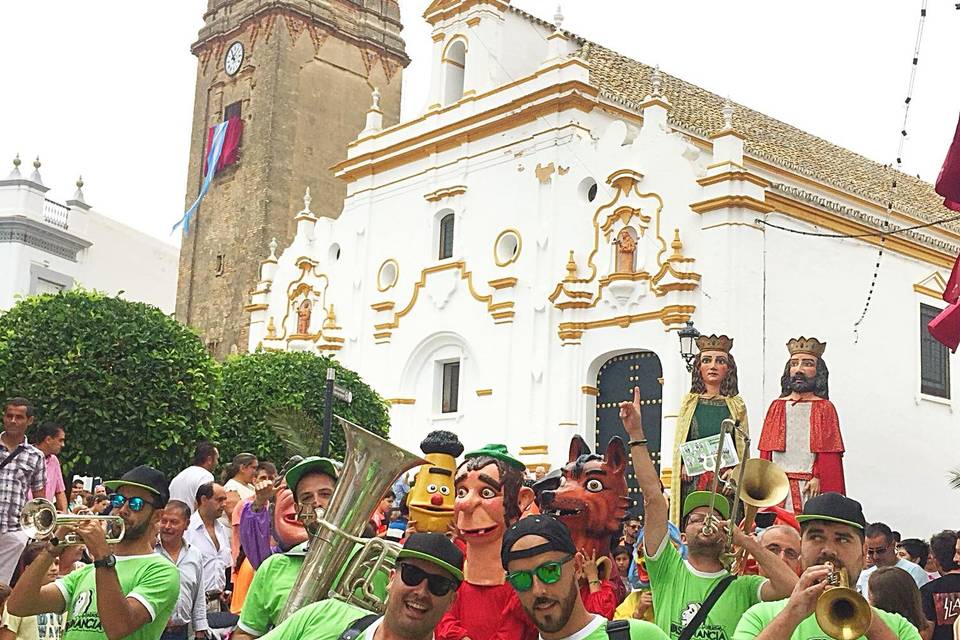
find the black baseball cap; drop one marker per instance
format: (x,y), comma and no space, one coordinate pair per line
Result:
(147,478)
(834,507)
(437,549)
(556,533)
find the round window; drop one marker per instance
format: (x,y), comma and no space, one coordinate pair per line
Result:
(506,249)
(334,254)
(588,189)
(387,276)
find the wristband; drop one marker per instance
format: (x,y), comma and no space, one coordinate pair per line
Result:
(637,443)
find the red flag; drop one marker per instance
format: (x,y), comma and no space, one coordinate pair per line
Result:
(231,145)
(945,328)
(951,293)
(948,183)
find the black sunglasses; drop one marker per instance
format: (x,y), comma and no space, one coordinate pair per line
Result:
(437,585)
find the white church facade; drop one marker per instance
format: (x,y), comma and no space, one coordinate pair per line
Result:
(509,264)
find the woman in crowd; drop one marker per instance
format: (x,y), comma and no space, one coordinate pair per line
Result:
(894,590)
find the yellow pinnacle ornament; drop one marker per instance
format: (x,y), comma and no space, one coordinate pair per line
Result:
(431,497)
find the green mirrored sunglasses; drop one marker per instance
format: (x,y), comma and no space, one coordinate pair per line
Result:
(548,573)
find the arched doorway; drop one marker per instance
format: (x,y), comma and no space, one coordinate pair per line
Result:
(615,382)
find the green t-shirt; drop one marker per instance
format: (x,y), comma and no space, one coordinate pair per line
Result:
(271,585)
(759,616)
(268,592)
(150,579)
(324,620)
(597,630)
(679,590)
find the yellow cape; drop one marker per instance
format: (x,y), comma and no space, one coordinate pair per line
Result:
(738,411)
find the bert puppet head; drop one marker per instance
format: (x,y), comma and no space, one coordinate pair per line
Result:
(432,495)
(490,498)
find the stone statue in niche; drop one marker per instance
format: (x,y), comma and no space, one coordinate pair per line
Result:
(626,252)
(303,317)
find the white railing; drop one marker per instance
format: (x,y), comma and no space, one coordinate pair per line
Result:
(56,214)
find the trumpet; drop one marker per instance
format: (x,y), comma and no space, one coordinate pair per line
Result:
(39,520)
(841,612)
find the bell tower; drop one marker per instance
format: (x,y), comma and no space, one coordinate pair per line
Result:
(299,75)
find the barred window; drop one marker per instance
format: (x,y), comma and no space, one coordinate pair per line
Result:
(934,358)
(446,236)
(451,387)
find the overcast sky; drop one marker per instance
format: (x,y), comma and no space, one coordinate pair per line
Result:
(105,87)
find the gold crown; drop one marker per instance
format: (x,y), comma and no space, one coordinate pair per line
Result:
(806,345)
(715,343)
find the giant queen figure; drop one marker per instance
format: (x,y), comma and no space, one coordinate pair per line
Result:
(714,396)
(801,432)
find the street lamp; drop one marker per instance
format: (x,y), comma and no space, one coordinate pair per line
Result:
(688,341)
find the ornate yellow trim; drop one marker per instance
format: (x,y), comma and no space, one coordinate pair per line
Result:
(441,10)
(445,192)
(516,254)
(726,163)
(298,286)
(446,48)
(502,283)
(472,22)
(728,176)
(590,391)
(383,306)
(396,275)
(723,202)
(460,265)
(670,315)
(402,400)
(726,132)
(438,36)
(484,392)
(256,307)
(936,291)
(829,220)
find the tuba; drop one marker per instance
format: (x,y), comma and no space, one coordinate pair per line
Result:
(370,466)
(841,612)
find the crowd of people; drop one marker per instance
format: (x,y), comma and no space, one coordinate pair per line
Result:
(203,556)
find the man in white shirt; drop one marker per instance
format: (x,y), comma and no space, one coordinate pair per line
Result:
(191,607)
(208,536)
(879,545)
(184,485)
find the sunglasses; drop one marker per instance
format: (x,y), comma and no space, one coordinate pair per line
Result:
(547,573)
(437,585)
(136,504)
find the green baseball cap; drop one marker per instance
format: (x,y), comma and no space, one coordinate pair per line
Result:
(498,451)
(311,464)
(435,548)
(702,499)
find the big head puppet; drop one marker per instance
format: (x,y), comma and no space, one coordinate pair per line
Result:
(490,498)
(432,495)
(592,498)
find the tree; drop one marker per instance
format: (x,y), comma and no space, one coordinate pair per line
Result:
(129,384)
(259,387)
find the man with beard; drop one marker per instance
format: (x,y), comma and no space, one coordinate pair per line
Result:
(681,588)
(428,571)
(801,432)
(128,591)
(310,485)
(714,396)
(490,498)
(832,531)
(545,568)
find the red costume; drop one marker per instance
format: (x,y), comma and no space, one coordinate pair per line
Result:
(826,445)
(489,612)
(604,602)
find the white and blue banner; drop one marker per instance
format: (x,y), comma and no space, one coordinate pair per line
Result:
(213,158)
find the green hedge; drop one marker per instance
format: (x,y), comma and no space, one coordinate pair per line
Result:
(129,384)
(255,384)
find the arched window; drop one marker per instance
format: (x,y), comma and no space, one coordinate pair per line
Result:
(446,236)
(454,61)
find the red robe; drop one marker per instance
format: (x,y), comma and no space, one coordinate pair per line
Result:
(825,443)
(604,602)
(486,613)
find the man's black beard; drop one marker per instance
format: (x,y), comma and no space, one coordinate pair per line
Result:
(551,624)
(802,384)
(133,533)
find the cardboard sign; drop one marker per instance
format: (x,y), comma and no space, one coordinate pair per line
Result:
(700,455)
